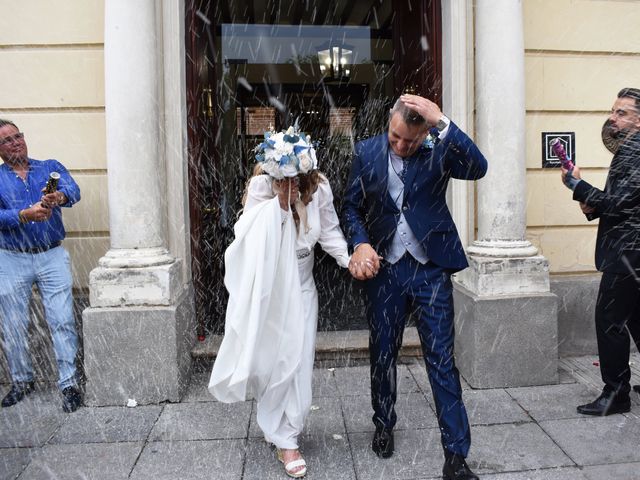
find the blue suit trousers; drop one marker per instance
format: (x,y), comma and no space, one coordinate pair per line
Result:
(393,294)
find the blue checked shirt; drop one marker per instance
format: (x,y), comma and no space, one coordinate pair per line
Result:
(17,194)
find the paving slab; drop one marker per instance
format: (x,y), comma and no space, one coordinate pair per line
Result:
(357,380)
(488,407)
(108,425)
(586,370)
(193,460)
(418,455)
(513,447)
(327,457)
(33,421)
(543,437)
(412,409)
(96,461)
(622,471)
(597,440)
(553,402)
(542,474)
(324,382)
(325,418)
(13,461)
(202,421)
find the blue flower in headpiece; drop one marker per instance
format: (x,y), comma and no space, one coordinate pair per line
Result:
(286,153)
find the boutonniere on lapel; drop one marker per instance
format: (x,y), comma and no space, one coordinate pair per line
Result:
(429,142)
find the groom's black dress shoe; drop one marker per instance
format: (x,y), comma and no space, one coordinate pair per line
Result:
(382,443)
(455,468)
(605,405)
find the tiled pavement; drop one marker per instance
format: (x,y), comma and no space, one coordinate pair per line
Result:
(531,433)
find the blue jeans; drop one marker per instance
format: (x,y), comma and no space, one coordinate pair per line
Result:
(51,272)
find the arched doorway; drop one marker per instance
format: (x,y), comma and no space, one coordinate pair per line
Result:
(334,67)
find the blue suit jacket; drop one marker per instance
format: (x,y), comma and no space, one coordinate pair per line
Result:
(370,215)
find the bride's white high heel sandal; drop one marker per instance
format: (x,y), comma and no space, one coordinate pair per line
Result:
(290,467)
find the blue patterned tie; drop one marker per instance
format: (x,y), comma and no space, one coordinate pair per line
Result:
(403,173)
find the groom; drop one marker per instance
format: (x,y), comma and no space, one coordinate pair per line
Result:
(405,245)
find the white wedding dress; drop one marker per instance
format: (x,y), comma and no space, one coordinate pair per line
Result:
(270,327)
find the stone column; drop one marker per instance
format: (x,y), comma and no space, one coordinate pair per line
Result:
(136,331)
(507,317)
(457,101)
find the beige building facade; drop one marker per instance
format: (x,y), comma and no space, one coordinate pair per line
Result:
(70,84)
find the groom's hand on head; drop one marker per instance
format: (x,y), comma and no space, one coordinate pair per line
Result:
(429,110)
(364,263)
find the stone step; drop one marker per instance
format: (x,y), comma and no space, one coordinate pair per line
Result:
(342,347)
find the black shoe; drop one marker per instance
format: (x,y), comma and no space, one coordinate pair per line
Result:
(382,443)
(456,468)
(71,399)
(636,388)
(605,404)
(18,391)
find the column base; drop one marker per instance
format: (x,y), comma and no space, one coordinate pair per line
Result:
(140,353)
(135,277)
(502,248)
(493,275)
(508,340)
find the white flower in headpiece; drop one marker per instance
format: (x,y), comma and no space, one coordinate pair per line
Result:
(286,154)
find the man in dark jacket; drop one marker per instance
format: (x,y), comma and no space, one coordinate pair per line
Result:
(617,254)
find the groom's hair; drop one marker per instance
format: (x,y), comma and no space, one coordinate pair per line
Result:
(410,117)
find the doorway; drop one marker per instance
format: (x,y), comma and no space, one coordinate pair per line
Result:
(332,67)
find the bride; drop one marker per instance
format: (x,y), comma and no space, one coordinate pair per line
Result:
(270,327)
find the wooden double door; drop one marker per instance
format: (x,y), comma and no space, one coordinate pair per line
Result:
(334,68)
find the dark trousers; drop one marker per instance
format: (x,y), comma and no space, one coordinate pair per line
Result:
(617,317)
(392,295)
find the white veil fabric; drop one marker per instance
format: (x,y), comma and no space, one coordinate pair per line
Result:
(262,346)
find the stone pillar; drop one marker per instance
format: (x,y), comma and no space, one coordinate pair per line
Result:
(137,330)
(506,315)
(457,98)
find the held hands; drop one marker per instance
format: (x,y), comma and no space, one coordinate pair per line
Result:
(426,108)
(364,263)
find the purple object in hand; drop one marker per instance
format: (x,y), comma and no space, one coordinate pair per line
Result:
(558,149)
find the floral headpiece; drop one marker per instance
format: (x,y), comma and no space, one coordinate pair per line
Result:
(286,154)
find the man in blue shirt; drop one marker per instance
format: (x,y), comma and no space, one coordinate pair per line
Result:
(31,232)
